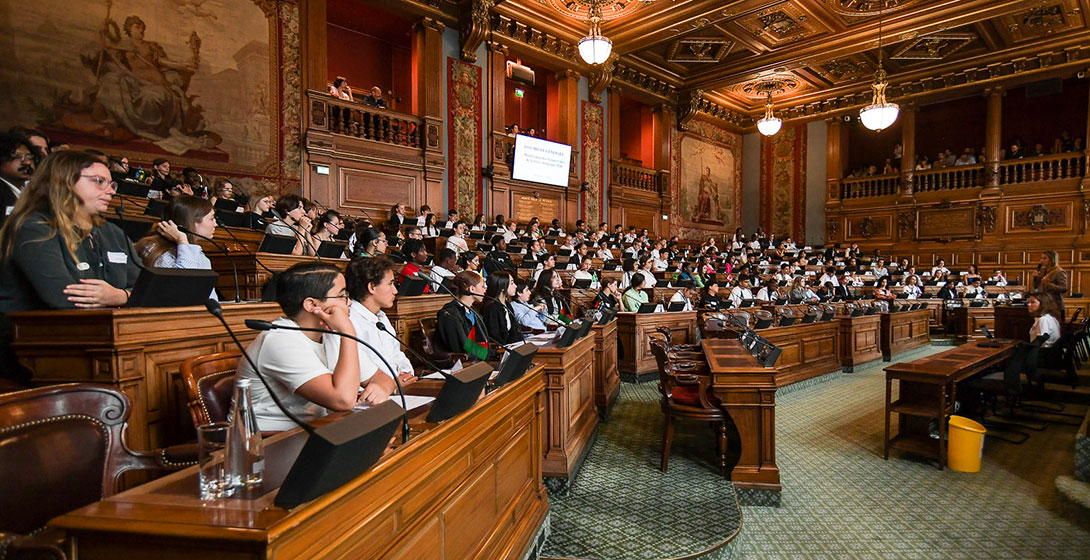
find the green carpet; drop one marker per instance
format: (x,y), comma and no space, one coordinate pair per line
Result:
(623,507)
(842,500)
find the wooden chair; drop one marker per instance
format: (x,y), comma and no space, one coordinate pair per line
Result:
(430,349)
(209,384)
(687,395)
(62,447)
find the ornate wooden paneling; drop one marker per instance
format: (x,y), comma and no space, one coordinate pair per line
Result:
(1040,218)
(946,223)
(809,350)
(867,228)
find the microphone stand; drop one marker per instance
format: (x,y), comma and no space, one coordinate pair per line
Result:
(258,325)
(382,327)
(484,330)
(243,246)
(226,252)
(215,309)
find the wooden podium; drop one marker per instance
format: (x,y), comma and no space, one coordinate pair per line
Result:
(633,330)
(607,380)
(747,391)
(469,487)
(904,331)
(859,340)
(570,415)
(252,277)
(138,351)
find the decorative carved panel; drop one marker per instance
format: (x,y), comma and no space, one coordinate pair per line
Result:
(832,228)
(946,224)
(1039,217)
(699,49)
(1043,19)
(868,228)
(906,225)
(533,205)
(781,24)
(377,189)
(935,46)
(844,68)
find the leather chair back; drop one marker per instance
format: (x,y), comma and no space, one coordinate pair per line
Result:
(209,384)
(764,319)
(61,448)
(787,316)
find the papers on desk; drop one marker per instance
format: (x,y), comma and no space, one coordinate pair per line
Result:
(412,401)
(436,375)
(543,338)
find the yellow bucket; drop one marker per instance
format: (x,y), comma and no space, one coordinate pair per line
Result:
(966,446)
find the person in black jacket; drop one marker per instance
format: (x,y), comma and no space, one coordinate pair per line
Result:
(457,329)
(63,256)
(555,305)
(709,296)
(498,259)
(16,168)
(499,320)
(607,298)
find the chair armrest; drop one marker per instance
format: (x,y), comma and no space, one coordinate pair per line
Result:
(43,545)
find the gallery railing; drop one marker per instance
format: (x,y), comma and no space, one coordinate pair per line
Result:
(948,178)
(1052,167)
(634,176)
(368,123)
(866,187)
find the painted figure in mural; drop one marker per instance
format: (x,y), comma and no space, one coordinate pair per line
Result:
(141,91)
(707,202)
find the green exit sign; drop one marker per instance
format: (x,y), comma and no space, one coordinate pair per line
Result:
(520,93)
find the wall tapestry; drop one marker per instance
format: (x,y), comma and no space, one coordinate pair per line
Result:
(783,183)
(593,133)
(464,100)
(213,84)
(707,187)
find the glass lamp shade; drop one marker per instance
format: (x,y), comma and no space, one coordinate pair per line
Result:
(595,49)
(769,126)
(879,116)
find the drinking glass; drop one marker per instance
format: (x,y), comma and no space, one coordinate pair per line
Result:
(212,438)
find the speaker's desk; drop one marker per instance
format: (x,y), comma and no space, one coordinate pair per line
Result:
(747,391)
(633,330)
(469,487)
(571,417)
(904,330)
(138,351)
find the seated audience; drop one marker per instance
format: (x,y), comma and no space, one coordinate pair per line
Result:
(882,291)
(457,329)
(546,290)
(256,207)
(444,266)
(527,312)
(684,295)
(292,222)
(374,99)
(370,243)
(607,299)
(16,167)
(634,296)
(498,258)
(499,319)
(457,239)
(307,378)
(340,89)
(328,226)
(167,246)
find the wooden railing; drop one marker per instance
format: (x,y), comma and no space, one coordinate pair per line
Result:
(634,176)
(949,178)
(1043,168)
(866,187)
(371,123)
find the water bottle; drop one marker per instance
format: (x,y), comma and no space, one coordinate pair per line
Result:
(245,457)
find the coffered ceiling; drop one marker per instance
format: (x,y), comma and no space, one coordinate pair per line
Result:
(816,56)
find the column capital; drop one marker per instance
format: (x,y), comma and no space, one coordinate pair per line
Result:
(428,23)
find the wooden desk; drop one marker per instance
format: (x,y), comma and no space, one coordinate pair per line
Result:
(136,350)
(1013,322)
(570,415)
(633,330)
(904,331)
(927,390)
(748,394)
(859,340)
(252,277)
(607,380)
(809,350)
(965,321)
(470,487)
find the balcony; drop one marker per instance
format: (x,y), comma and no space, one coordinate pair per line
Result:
(356,120)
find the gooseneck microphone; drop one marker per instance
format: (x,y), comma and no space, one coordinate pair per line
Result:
(382,327)
(216,310)
(259,325)
(299,235)
(226,253)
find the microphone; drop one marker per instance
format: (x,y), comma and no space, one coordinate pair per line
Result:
(230,259)
(298,234)
(382,327)
(259,325)
(216,310)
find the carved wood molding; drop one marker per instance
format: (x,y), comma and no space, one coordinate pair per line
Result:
(475,26)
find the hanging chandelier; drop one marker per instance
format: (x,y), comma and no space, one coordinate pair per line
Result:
(769,125)
(595,48)
(880,114)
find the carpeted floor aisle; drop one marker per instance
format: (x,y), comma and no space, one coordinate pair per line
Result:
(622,507)
(842,500)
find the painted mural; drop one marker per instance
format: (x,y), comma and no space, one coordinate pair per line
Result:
(196,81)
(708,185)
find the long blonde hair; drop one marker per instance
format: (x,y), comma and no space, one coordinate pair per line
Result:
(51,192)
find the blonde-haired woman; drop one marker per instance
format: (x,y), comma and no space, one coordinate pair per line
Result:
(56,249)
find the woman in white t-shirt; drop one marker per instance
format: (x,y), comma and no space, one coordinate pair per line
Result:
(1043,307)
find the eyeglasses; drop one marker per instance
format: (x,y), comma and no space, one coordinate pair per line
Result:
(100,182)
(22,157)
(342,296)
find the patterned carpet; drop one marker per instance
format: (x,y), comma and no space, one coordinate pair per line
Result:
(623,507)
(842,500)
